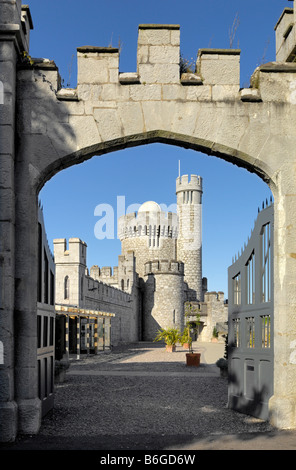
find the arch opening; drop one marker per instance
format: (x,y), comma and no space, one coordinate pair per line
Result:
(131,163)
(203,146)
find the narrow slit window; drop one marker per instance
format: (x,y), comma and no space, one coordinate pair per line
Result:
(66,287)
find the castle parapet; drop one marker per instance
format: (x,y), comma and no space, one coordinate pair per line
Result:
(76,252)
(189,190)
(158,62)
(164,267)
(105,274)
(102,291)
(183,183)
(148,224)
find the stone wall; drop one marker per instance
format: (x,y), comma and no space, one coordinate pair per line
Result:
(213,310)
(87,292)
(103,297)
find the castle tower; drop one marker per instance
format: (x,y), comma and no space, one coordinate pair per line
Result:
(189,243)
(163,302)
(150,234)
(70,271)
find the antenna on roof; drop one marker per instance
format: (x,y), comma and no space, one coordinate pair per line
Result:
(179,169)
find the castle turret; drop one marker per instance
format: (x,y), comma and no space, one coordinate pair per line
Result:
(150,234)
(163,297)
(189,243)
(70,271)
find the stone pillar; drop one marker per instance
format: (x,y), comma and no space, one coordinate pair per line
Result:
(96,336)
(15,23)
(67,336)
(283,403)
(87,334)
(26,278)
(78,337)
(8,409)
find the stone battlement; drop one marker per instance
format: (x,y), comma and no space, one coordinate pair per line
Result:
(160,75)
(183,183)
(158,61)
(76,252)
(100,290)
(143,224)
(164,267)
(105,273)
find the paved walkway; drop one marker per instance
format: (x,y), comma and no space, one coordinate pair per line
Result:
(138,397)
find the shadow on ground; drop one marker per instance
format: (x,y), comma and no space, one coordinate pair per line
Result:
(140,398)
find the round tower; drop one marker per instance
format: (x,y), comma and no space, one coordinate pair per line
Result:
(189,242)
(163,303)
(150,234)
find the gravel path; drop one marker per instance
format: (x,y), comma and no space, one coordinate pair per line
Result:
(140,397)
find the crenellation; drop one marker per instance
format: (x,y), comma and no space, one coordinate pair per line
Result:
(97,65)
(158,69)
(219,67)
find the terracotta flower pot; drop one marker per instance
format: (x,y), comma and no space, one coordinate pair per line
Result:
(170,347)
(193,359)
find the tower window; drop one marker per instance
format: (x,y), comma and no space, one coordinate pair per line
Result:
(66,287)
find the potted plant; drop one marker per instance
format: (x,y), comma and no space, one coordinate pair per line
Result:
(191,310)
(186,339)
(215,335)
(193,359)
(170,336)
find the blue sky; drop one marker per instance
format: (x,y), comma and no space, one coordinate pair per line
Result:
(231,194)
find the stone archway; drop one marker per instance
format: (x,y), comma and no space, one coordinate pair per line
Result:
(52,128)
